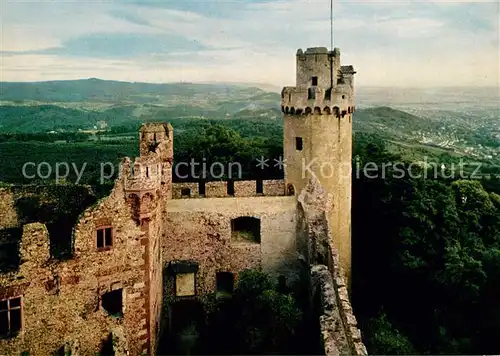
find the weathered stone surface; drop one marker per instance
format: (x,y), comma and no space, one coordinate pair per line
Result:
(200,230)
(303,221)
(8,215)
(318,110)
(244,188)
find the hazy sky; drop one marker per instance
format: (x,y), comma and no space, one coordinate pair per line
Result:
(390,43)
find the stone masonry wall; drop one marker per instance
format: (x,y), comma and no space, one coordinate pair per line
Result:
(62,300)
(339,329)
(219,189)
(200,230)
(8,215)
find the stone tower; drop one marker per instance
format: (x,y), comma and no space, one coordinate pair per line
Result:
(148,185)
(318,136)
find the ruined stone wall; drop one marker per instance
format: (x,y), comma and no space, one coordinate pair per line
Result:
(330,297)
(8,214)
(62,301)
(219,189)
(155,230)
(200,230)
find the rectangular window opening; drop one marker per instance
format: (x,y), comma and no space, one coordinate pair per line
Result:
(112,302)
(328,94)
(185,284)
(224,284)
(314,81)
(311,94)
(10,317)
(299,144)
(104,238)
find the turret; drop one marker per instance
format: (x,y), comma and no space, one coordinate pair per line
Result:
(322,85)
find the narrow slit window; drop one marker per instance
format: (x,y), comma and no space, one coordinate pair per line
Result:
(299,145)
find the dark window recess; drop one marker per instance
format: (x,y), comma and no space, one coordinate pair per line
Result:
(298,143)
(104,238)
(230,187)
(245,229)
(10,317)
(112,302)
(201,188)
(311,94)
(185,192)
(314,81)
(328,94)
(225,282)
(260,187)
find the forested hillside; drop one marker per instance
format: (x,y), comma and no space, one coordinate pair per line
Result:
(426,251)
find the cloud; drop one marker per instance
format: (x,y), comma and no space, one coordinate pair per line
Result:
(118,45)
(390,43)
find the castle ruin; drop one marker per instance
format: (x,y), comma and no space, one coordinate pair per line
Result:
(152,243)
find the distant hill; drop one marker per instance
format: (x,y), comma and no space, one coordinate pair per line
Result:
(391,122)
(108,91)
(71,105)
(80,104)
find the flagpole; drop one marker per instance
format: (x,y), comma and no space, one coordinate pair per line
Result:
(331,23)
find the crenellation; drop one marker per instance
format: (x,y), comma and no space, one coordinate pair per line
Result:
(219,189)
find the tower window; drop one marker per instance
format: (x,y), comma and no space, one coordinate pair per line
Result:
(104,236)
(10,317)
(298,143)
(314,81)
(311,94)
(328,94)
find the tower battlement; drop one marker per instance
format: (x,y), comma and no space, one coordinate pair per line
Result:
(322,84)
(298,101)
